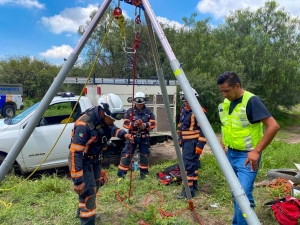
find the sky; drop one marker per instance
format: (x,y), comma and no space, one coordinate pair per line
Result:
(47,29)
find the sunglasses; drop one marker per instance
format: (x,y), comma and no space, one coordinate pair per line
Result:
(139,100)
(113,116)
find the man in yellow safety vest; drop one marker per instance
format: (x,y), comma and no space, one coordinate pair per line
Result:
(243,115)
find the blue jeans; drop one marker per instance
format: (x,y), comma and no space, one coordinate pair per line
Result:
(246,179)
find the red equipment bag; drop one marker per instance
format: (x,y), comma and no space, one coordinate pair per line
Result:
(170,175)
(286,210)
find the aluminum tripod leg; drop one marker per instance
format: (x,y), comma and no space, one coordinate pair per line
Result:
(221,158)
(24,136)
(163,88)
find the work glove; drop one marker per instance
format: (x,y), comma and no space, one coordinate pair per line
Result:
(199,147)
(180,143)
(143,126)
(137,123)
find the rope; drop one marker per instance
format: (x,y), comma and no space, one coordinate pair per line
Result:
(131,118)
(162,213)
(7,205)
(121,21)
(280,184)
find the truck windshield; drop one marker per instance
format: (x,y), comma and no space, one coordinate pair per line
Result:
(22,115)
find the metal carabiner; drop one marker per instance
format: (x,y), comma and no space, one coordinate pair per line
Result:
(137,21)
(125,48)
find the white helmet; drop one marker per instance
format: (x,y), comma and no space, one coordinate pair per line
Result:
(182,94)
(112,106)
(139,98)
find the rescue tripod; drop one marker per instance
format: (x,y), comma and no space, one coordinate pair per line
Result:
(152,23)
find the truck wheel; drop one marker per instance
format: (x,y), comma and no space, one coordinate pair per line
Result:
(2,157)
(8,111)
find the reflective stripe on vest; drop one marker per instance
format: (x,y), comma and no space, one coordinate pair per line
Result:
(237,131)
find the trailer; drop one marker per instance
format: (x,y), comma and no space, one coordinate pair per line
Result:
(124,89)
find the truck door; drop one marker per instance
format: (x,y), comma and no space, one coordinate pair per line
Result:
(46,134)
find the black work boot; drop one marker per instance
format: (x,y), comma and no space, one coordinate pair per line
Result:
(184,195)
(97,217)
(143,174)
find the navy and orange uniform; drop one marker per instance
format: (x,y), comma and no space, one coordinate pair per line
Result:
(141,138)
(192,141)
(89,139)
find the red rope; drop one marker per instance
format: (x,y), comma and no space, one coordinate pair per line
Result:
(136,45)
(136,42)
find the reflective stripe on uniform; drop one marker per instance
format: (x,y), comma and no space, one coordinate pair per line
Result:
(88,213)
(77,147)
(117,132)
(203,139)
(192,122)
(195,136)
(89,142)
(190,132)
(123,167)
(143,166)
(81,205)
(76,174)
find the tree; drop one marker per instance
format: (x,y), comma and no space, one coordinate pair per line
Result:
(113,61)
(266,42)
(35,75)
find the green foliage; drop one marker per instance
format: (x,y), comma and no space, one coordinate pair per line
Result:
(38,199)
(266,42)
(35,75)
(261,46)
(42,198)
(114,62)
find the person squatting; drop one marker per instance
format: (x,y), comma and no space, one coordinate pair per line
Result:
(90,137)
(192,141)
(139,121)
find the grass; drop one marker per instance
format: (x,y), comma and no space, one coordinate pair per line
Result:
(49,198)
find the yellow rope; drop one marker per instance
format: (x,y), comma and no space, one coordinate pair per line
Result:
(121,21)
(7,205)
(92,69)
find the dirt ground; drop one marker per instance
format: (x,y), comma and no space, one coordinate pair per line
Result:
(166,151)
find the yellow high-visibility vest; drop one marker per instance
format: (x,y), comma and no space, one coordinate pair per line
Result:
(237,132)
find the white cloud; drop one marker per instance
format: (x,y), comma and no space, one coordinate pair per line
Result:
(57,52)
(221,8)
(169,23)
(24,3)
(69,19)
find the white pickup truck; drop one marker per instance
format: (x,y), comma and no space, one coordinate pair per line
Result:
(44,135)
(47,132)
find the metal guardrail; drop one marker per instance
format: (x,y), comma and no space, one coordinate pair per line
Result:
(82,80)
